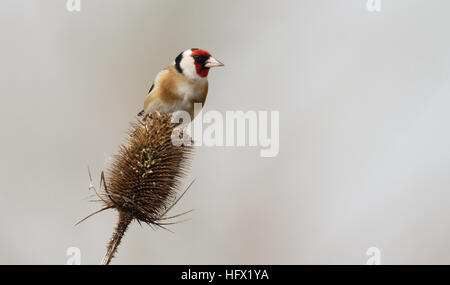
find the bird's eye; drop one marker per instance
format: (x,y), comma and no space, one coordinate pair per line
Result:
(200,59)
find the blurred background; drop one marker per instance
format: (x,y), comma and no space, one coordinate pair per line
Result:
(364,106)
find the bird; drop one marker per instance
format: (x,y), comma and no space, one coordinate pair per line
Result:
(181,85)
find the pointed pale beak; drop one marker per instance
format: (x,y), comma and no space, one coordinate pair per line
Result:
(212,62)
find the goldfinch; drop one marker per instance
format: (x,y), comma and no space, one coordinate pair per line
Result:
(181,85)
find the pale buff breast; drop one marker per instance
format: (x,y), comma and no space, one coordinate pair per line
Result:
(173,92)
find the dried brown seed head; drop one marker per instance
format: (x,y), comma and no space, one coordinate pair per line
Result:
(142,181)
(147,170)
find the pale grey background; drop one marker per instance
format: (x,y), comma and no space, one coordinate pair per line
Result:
(364,129)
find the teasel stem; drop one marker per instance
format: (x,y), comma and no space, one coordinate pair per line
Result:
(122,225)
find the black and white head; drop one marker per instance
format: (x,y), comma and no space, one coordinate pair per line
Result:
(195,63)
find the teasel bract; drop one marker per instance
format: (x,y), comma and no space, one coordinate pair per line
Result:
(144,177)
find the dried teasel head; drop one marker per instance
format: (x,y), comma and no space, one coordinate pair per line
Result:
(142,181)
